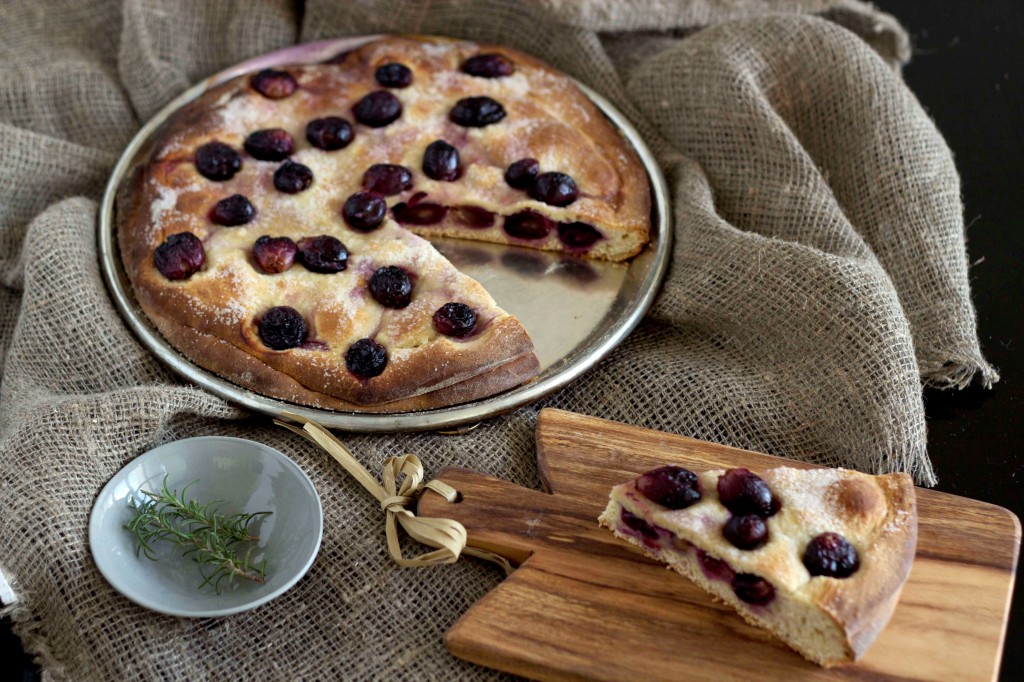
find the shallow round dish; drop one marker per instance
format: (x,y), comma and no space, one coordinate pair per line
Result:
(247,477)
(575,311)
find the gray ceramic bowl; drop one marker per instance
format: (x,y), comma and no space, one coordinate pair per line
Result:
(248,477)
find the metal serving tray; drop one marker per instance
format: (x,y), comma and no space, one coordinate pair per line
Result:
(575,311)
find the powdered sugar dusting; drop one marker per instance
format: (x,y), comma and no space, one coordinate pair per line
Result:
(516,85)
(232,311)
(401,354)
(804,492)
(163,211)
(341,301)
(899,520)
(436,49)
(166,200)
(241,114)
(227,313)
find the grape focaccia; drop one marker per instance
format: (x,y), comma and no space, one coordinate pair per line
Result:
(272,235)
(816,556)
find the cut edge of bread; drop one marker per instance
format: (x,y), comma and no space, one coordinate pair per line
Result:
(809,630)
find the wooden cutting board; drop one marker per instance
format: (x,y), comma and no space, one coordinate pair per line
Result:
(583,605)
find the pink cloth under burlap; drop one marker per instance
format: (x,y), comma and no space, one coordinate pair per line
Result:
(819,279)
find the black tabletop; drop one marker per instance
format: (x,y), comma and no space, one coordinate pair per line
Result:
(967,73)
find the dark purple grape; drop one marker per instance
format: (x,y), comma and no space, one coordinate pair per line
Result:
(391,287)
(377,109)
(714,568)
(325,254)
(393,75)
(274,254)
(217,161)
(637,523)
(472,216)
(555,189)
(292,178)
(441,161)
(489,66)
(272,144)
(753,589)
(742,492)
(180,256)
(830,554)
(528,224)
(522,173)
(670,486)
(746,531)
(476,112)
(274,84)
(366,358)
(364,211)
(578,235)
(419,214)
(455,319)
(387,179)
(233,211)
(282,328)
(329,133)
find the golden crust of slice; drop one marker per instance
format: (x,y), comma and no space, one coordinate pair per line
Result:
(828,620)
(222,358)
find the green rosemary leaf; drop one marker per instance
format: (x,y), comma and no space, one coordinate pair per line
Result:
(205,536)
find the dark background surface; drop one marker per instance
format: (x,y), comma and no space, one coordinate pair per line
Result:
(967,72)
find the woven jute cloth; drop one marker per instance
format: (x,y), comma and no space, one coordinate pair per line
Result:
(819,279)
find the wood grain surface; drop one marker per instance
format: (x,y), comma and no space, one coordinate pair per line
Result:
(585,606)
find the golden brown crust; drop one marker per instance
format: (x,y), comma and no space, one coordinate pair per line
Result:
(547,118)
(862,606)
(222,358)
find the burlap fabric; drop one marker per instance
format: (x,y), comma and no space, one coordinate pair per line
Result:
(819,277)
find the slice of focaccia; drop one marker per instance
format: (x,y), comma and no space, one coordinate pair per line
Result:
(816,556)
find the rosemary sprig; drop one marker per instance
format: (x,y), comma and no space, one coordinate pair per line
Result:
(209,538)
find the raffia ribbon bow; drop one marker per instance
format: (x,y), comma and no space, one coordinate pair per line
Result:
(447,536)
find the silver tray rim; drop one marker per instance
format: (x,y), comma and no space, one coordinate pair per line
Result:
(656,256)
